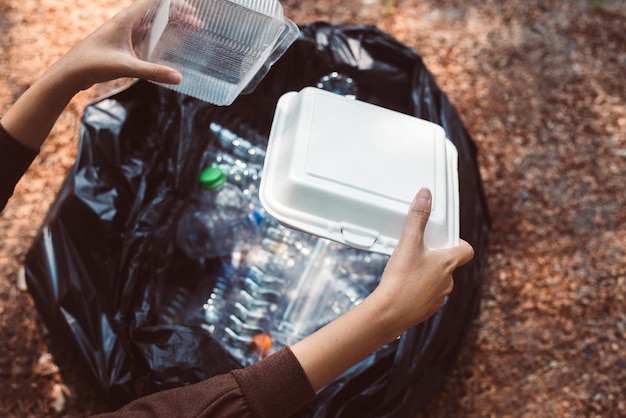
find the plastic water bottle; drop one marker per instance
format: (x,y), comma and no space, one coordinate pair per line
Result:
(339,84)
(220,295)
(308,297)
(218,219)
(237,145)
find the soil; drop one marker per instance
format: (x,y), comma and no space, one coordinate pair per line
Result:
(540,86)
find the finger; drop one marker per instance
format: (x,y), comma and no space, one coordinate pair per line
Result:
(132,12)
(463,253)
(419,212)
(138,8)
(157,73)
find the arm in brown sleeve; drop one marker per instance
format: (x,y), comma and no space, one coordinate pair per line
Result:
(276,386)
(273,387)
(15,159)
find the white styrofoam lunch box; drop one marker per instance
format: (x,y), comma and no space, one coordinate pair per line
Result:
(348,170)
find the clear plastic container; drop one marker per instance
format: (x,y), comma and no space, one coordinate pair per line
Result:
(221,47)
(348,170)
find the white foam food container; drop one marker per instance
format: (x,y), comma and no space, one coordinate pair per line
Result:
(348,170)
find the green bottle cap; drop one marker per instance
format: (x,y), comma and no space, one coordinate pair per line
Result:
(212,178)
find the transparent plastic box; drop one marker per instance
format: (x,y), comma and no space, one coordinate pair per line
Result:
(347,170)
(221,47)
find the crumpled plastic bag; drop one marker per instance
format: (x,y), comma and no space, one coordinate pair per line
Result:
(105,273)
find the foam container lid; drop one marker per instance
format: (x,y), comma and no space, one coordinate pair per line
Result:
(348,170)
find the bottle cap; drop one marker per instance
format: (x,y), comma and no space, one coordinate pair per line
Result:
(212,178)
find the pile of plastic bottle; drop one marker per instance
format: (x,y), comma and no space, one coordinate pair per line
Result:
(275,285)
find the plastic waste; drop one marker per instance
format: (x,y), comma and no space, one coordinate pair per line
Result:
(217,219)
(339,84)
(286,284)
(285,288)
(222,47)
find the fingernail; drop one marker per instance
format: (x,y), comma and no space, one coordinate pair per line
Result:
(174,78)
(423,194)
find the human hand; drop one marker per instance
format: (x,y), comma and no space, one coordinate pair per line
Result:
(107,54)
(416,279)
(414,285)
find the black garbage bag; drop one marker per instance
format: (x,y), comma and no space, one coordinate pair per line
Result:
(107,277)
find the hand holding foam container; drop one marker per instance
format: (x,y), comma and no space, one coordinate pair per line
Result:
(348,170)
(221,47)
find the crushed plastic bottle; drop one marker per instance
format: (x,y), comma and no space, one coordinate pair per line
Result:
(216,302)
(241,147)
(307,297)
(217,220)
(339,84)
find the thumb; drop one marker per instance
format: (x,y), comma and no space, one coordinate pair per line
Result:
(419,212)
(157,73)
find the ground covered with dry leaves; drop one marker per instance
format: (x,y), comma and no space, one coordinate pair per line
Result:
(541,88)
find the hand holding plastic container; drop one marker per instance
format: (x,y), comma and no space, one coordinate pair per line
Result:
(222,48)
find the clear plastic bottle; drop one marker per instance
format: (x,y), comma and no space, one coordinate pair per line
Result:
(308,297)
(339,84)
(220,295)
(217,220)
(237,145)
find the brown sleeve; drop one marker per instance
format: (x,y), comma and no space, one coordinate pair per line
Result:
(15,159)
(276,386)
(273,387)
(219,396)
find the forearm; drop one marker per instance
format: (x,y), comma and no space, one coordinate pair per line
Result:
(104,55)
(339,345)
(33,115)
